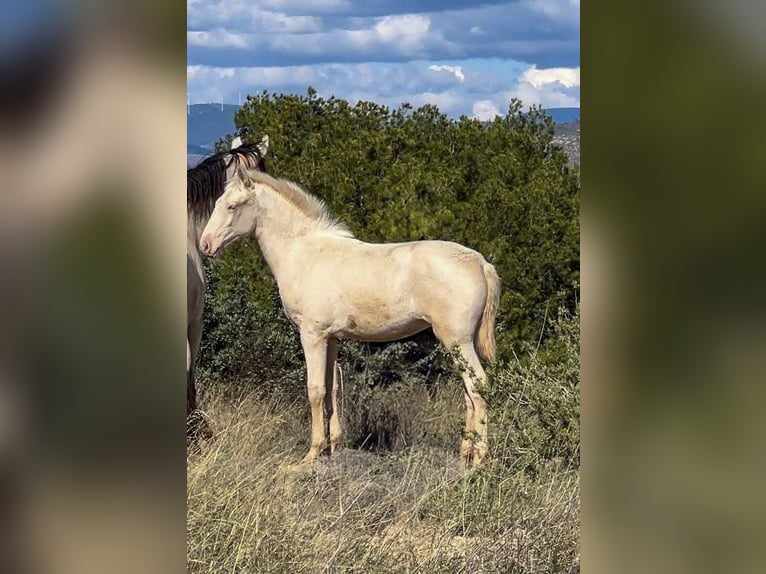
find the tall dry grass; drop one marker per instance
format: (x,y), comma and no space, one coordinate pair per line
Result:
(395,499)
(409,509)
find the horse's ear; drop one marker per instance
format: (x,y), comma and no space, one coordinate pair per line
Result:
(263,145)
(243,176)
(236,142)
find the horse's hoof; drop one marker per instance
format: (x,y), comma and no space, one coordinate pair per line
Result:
(197,429)
(305,467)
(479,458)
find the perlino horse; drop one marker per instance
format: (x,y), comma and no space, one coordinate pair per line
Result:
(204,184)
(334,286)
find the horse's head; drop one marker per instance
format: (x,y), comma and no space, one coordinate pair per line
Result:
(234,214)
(205,182)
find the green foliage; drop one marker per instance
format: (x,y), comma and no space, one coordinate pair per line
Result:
(246,336)
(535,402)
(499,187)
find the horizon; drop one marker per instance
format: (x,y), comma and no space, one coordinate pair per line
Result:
(240,105)
(215,125)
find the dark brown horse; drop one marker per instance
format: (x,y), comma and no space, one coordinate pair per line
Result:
(204,184)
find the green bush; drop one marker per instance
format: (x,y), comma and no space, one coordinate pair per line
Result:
(246,344)
(535,401)
(500,187)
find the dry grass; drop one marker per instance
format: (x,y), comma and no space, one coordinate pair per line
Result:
(407,509)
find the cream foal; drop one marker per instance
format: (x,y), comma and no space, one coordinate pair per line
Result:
(334,286)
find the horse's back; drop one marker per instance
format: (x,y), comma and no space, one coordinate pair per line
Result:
(391,266)
(413,254)
(444,271)
(390,269)
(386,291)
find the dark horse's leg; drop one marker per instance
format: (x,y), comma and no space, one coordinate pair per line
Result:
(197,426)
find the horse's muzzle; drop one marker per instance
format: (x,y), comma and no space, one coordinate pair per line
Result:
(206,245)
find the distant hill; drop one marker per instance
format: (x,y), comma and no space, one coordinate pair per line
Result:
(193,159)
(198,150)
(563,115)
(207,123)
(568,136)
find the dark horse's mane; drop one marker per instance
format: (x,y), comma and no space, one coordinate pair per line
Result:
(206,180)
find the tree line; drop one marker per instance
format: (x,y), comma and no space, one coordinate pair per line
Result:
(500,187)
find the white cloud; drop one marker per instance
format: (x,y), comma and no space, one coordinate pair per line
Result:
(217,38)
(408,29)
(557,10)
(447,102)
(290,32)
(322,6)
(480,95)
(457,71)
(391,37)
(548,94)
(465,58)
(484,110)
(569,77)
(244,15)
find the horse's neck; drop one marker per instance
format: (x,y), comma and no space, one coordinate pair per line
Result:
(280,232)
(194,228)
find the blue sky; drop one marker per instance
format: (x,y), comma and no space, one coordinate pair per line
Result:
(467,57)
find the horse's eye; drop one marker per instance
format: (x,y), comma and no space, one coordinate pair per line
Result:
(232,207)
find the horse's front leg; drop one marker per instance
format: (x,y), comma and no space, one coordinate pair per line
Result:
(315,350)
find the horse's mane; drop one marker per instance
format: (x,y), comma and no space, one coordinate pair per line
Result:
(309,205)
(205,182)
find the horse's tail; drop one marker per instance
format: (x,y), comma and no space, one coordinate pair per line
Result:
(485,332)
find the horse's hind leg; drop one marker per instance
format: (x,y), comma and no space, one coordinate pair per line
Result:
(474,442)
(191,392)
(466,445)
(196,425)
(331,396)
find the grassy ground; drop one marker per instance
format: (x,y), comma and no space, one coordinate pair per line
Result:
(406,507)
